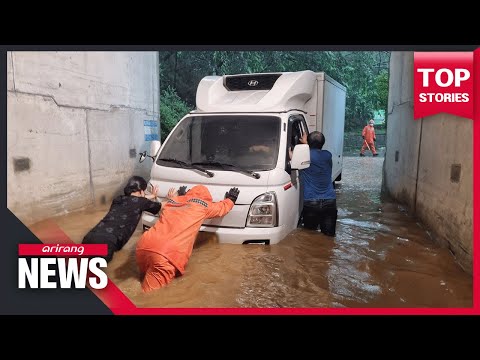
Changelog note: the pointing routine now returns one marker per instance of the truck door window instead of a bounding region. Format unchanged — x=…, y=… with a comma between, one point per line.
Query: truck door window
x=297, y=127
x=296, y=134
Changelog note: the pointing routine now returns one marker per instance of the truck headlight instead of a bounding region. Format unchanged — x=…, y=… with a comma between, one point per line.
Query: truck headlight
x=263, y=211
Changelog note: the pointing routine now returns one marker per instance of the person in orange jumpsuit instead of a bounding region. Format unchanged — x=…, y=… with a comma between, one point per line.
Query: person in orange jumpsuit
x=163, y=251
x=368, y=135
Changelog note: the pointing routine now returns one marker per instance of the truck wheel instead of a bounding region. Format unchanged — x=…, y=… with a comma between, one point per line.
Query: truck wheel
x=339, y=177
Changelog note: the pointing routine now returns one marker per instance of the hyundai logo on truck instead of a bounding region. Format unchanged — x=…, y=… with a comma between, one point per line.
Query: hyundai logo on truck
x=253, y=83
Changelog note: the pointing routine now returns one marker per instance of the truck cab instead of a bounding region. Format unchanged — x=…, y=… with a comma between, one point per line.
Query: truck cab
x=240, y=136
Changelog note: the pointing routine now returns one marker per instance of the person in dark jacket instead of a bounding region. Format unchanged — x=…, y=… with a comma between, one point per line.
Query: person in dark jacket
x=119, y=224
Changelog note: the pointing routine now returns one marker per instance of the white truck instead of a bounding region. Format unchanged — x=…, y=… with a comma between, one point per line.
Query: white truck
x=239, y=136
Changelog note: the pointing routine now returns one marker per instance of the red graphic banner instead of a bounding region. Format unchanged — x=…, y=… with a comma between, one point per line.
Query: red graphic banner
x=443, y=83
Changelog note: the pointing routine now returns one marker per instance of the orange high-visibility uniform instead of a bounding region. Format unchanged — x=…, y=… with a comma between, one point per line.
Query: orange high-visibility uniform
x=164, y=250
x=368, y=134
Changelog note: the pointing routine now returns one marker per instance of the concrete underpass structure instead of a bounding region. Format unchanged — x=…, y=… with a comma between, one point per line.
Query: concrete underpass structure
x=76, y=123
x=429, y=164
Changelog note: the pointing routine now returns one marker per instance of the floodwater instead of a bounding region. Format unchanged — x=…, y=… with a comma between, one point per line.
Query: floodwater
x=380, y=257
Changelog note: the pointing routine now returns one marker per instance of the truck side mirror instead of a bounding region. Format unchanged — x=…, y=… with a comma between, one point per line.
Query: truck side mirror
x=301, y=157
x=154, y=147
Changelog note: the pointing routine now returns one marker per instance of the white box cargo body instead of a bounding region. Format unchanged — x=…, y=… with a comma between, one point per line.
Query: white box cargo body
x=239, y=136
x=326, y=113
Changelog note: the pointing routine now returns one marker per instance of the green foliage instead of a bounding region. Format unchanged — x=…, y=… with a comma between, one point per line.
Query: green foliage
x=382, y=92
x=172, y=109
x=381, y=83
x=364, y=73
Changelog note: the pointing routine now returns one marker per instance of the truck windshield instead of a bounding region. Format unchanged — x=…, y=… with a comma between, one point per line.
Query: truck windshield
x=247, y=142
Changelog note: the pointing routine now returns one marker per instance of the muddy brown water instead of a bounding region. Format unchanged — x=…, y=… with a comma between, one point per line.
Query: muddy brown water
x=380, y=257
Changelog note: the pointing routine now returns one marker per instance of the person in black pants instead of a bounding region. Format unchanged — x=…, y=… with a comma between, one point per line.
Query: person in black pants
x=319, y=197
x=119, y=224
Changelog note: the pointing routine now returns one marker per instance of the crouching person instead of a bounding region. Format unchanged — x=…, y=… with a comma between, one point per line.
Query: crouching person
x=164, y=250
x=119, y=224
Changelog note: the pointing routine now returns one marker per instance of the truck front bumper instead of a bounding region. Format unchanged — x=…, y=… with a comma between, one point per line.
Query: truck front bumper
x=247, y=235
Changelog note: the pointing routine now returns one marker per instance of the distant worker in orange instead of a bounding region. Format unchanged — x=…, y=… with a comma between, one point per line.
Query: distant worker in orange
x=368, y=135
x=163, y=251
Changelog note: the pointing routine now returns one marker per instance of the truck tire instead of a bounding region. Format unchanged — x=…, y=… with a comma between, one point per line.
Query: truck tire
x=339, y=177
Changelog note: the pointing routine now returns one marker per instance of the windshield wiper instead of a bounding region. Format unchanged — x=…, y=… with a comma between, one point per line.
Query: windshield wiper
x=233, y=167
x=188, y=166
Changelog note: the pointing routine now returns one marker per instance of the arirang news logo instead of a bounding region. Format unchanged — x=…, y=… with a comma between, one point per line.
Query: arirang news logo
x=72, y=266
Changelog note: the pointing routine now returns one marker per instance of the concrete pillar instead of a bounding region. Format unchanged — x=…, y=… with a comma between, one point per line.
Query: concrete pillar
x=429, y=164
x=75, y=127
x=403, y=134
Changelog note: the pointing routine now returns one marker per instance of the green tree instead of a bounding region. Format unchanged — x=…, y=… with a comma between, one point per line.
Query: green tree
x=364, y=73
x=381, y=83
x=172, y=109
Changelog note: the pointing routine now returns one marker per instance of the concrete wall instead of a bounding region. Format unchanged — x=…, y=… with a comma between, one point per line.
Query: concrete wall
x=75, y=125
x=429, y=164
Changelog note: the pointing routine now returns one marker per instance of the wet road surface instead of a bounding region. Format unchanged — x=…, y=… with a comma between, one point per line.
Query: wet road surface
x=380, y=257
